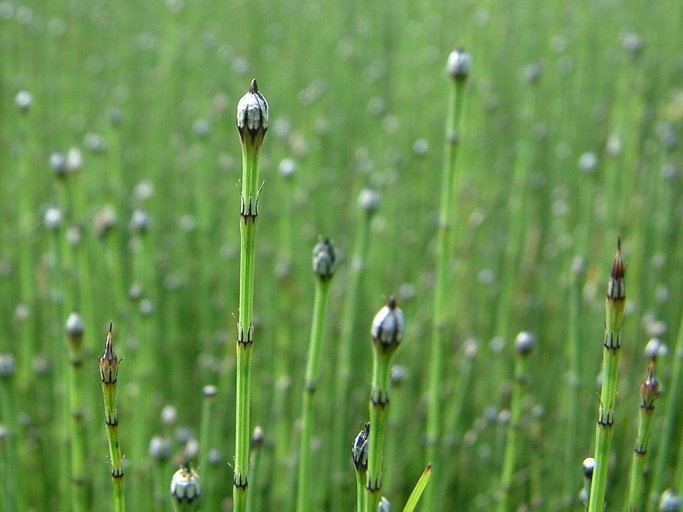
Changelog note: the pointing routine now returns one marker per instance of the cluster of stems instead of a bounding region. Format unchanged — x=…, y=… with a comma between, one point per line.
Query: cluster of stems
x=614, y=311
x=109, y=370
x=252, y=123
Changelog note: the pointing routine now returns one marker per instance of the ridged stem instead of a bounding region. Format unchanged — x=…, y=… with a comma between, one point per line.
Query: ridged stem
x=358, y=262
x=614, y=313
x=255, y=496
x=304, y=498
x=639, y=460
x=671, y=409
x=78, y=445
x=245, y=327
x=109, y=376
x=379, y=411
x=443, y=253
x=361, y=482
x=572, y=390
x=512, y=441
x=206, y=443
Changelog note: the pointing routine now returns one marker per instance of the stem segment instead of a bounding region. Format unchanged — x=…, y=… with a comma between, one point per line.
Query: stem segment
x=252, y=122
x=78, y=436
x=109, y=368
x=616, y=297
x=649, y=390
x=304, y=498
x=446, y=218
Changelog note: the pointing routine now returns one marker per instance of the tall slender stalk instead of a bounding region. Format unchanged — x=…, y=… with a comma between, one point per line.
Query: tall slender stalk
x=207, y=440
x=524, y=344
x=573, y=376
x=25, y=224
x=282, y=384
x=324, y=265
x=256, y=495
x=615, y=300
x=388, y=329
x=252, y=123
x=458, y=68
x=109, y=370
x=369, y=202
x=671, y=409
x=649, y=390
x=12, y=484
x=78, y=444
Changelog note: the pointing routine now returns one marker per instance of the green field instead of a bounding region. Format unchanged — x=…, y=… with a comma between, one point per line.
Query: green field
x=485, y=199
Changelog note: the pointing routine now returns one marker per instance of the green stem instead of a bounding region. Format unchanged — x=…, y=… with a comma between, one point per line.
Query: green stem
x=379, y=409
x=671, y=408
x=304, y=498
x=361, y=480
x=206, y=442
x=345, y=346
x=245, y=326
x=255, y=496
x=512, y=442
x=12, y=475
x=79, y=472
x=638, y=462
x=109, y=373
x=446, y=218
x=610, y=365
x=574, y=378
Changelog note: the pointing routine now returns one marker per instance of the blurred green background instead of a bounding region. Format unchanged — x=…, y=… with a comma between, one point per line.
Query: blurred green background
x=571, y=135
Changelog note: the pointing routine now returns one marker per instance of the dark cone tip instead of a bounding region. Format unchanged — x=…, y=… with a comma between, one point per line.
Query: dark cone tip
x=253, y=86
x=391, y=303
x=618, y=266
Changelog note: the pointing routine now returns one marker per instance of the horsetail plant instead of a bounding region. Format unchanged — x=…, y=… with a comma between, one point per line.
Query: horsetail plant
x=369, y=203
x=671, y=409
x=649, y=390
x=254, y=498
x=109, y=370
x=78, y=445
x=459, y=63
x=359, y=454
x=387, y=331
x=207, y=439
x=524, y=344
x=185, y=490
x=159, y=451
x=252, y=123
x=324, y=266
x=614, y=312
